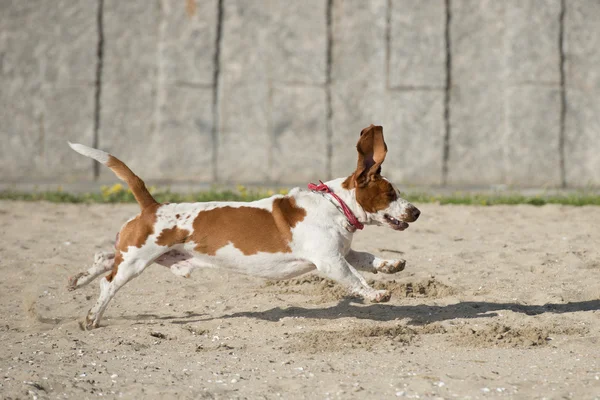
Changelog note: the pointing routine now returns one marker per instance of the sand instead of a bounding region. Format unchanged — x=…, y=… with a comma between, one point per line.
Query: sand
x=495, y=302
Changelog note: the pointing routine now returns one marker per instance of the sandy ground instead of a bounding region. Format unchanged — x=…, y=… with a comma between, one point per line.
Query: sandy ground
x=497, y=302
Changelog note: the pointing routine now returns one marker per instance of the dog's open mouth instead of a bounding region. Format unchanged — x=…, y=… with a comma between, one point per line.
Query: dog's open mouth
x=394, y=223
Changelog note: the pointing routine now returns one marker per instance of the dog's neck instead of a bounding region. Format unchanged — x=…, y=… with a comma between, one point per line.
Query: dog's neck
x=349, y=197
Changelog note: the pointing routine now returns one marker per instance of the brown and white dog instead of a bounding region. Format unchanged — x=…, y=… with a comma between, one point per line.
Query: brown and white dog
x=279, y=237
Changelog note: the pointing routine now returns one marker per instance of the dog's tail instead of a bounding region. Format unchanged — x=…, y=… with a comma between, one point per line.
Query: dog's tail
x=137, y=186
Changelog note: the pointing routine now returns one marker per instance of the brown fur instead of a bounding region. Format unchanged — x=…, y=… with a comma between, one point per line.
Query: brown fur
x=137, y=186
x=373, y=193
x=171, y=236
x=372, y=150
x=117, y=262
x=349, y=183
x=134, y=233
x=250, y=230
x=377, y=195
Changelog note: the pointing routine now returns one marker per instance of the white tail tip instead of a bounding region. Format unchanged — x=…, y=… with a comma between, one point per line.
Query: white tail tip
x=98, y=155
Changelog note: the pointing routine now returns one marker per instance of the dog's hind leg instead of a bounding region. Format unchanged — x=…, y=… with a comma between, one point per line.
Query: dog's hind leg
x=103, y=262
x=180, y=263
x=126, y=267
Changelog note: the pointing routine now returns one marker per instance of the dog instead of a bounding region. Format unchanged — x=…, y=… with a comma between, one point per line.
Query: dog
x=279, y=237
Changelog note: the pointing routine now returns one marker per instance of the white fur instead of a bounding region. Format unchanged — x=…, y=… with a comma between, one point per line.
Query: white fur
x=98, y=155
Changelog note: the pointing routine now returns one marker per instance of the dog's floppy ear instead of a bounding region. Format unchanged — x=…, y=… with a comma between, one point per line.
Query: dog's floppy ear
x=371, y=154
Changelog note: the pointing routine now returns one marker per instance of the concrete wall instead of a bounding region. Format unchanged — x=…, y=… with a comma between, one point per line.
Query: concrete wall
x=469, y=92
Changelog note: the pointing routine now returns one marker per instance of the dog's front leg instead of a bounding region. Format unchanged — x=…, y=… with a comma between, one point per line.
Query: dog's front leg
x=368, y=262
x=338, y=269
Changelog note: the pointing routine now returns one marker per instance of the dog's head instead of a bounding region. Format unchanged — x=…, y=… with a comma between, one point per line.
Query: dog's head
x=377, y=196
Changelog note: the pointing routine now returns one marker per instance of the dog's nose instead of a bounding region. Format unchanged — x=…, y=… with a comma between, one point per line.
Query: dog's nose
x=416, y=213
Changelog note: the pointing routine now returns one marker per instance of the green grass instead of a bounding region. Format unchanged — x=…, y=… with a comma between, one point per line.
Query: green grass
x=571, y=199
x=119, y=194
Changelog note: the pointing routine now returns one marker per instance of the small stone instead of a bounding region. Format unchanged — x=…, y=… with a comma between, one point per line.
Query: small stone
x=158, y=335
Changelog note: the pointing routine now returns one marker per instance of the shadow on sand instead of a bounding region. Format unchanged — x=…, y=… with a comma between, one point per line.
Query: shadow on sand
x=418, y=314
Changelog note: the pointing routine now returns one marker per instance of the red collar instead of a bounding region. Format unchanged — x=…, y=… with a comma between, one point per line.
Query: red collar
x=345, y=209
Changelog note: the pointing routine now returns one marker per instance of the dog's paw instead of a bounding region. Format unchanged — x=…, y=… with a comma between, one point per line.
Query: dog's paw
x=86, y=326
x=90, y=323
x=391, y=266
x=72, y=282
x=184, y=271
x=380, y=296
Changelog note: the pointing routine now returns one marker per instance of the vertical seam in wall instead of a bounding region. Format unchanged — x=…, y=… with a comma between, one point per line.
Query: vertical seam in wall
x=266, y=33
x=98, y=84
x=448, y=88
x=160, y=97
x=328, y=100
x=388, y=40
x=563, y=95
x=270, y=174
x=506, y=101
x=215, y=105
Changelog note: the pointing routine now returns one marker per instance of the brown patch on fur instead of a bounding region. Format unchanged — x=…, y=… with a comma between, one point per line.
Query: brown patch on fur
x=377, y=195
x=134, y=233
x=286, y=215
x=250, y=230
x=373, y=193
x=117, y=262
x=177, y=216
x=349, y=183
x=174, y=235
